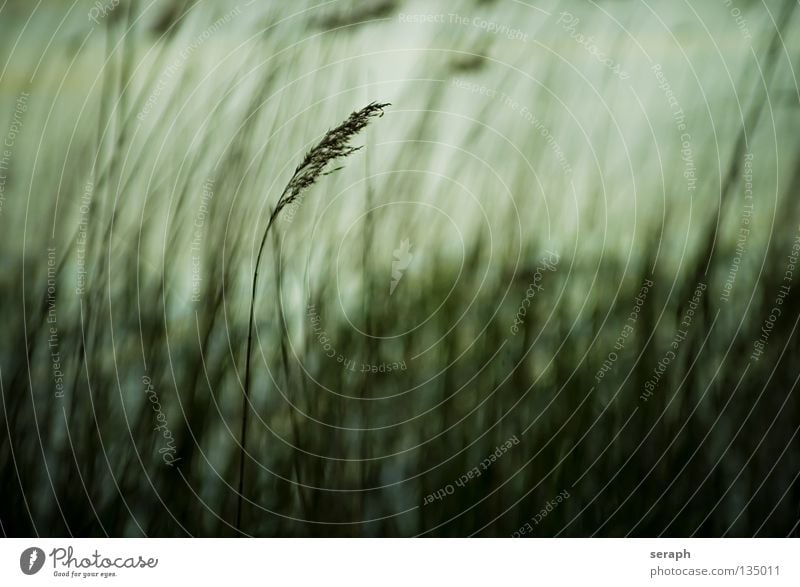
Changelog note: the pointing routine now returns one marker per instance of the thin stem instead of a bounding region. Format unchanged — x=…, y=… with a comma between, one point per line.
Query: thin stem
x=334, y=145
x=246, y=396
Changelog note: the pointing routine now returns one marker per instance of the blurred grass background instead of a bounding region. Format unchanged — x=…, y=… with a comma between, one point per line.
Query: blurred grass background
x=179, y=122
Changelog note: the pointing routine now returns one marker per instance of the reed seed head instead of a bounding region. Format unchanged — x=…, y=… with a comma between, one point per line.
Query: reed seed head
x=333, y=146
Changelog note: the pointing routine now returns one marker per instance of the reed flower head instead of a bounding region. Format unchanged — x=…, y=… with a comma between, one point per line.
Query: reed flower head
x=334, y=145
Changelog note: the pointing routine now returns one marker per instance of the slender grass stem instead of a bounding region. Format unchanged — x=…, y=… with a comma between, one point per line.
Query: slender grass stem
x=334, y=145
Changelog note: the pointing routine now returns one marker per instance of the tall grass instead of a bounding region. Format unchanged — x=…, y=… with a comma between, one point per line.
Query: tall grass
x=334, y=145
x=169, y=213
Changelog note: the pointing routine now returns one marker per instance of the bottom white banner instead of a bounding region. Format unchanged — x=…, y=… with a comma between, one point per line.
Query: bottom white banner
x=401, y=562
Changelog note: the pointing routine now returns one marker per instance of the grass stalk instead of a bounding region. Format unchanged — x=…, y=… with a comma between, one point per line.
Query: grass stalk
x=333, y=146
